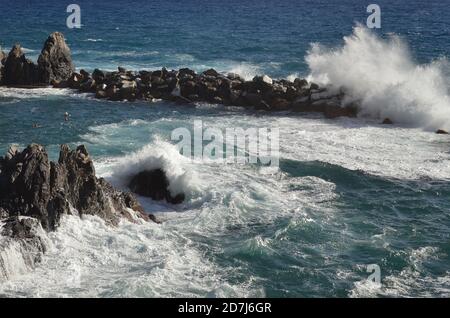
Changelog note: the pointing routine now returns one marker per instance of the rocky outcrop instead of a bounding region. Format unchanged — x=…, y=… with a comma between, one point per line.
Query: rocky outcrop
x=32, y=186
x=154, y=184
x=35, y=193
x=441, y=132
x=18, y=70
x=54, y=64
x=23, y=243
x=182, y=86
x=55, y=61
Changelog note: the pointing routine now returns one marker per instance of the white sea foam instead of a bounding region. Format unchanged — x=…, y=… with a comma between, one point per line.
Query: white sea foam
x=157, y=155
x=383, y=76
x=17, y=257
x=27, y=93
x=245, y=70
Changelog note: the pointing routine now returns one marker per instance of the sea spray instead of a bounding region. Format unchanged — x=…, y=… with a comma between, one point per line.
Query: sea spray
x=383, y=77
x=157, y=155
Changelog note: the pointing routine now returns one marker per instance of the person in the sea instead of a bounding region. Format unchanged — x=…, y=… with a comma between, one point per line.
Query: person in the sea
x=66, y=116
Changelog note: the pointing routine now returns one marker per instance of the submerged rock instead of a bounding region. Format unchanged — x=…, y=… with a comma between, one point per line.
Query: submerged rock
x=154, y=184
x=55, y=60
x=32, y=186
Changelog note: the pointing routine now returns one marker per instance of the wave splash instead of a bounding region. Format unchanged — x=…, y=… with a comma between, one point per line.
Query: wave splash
x=157, y=155
x=383, y=77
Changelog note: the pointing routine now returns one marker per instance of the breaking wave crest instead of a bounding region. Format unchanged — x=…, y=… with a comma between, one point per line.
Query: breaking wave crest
x=382, y=75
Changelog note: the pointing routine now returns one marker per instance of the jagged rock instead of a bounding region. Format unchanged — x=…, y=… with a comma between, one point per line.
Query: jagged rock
x=74, y=80
x=442, y=132
x=32, y=186
x=18, y=70
x=55, y=61
x=154, y=184
x=211, y=72
x=84, y=75
x=387, y=121
x=263, y=79
x=24, y=239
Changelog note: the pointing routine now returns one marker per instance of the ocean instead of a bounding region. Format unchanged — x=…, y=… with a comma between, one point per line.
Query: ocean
x=349, y=193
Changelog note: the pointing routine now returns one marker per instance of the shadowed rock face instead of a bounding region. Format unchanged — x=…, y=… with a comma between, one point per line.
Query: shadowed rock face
x=32, y=186
x=154, y=184
x=19, y=70
x=55, y=61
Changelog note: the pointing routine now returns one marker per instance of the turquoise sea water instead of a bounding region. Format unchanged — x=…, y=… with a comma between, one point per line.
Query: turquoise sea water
x=348, y=192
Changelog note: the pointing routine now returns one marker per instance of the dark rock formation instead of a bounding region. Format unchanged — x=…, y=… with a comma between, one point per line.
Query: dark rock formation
x=442, y=132
x=185, y=86
x=181, y=86
x=387, y=121
x=24, y=238
x=32, y=186
x=154, y=184
x=55, y=61
x=18, y=70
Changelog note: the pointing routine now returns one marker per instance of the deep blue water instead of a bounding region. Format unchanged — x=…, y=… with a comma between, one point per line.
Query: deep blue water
x=347, y=193
x=271, y=35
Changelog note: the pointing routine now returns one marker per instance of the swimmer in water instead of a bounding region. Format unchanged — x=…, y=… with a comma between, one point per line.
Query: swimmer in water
x=66, y=116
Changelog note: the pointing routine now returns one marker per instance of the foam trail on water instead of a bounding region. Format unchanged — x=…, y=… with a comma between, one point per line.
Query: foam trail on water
x=383, y=76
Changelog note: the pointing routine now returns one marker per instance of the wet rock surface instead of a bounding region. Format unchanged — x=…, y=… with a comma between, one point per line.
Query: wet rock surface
x=32, y=186
x=55, y=61
x=154, y=184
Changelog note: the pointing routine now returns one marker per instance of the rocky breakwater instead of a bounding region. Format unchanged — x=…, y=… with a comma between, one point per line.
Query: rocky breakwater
x=54, y=67
x=186, y=86
x=54, y=64
x=35, y=193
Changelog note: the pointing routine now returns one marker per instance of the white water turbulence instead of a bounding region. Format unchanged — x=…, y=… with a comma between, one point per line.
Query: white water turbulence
x=382, y=75
x=157, y=155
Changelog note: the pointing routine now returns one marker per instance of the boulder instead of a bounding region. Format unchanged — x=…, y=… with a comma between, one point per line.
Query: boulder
x=154, y=184
x=75, y=80
x=18, y=70
x=211, y=72
x=387, y=121
x=441, y=132
x=32, y=186
x=55, y=60
x=313, y=86
x=263, y=79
